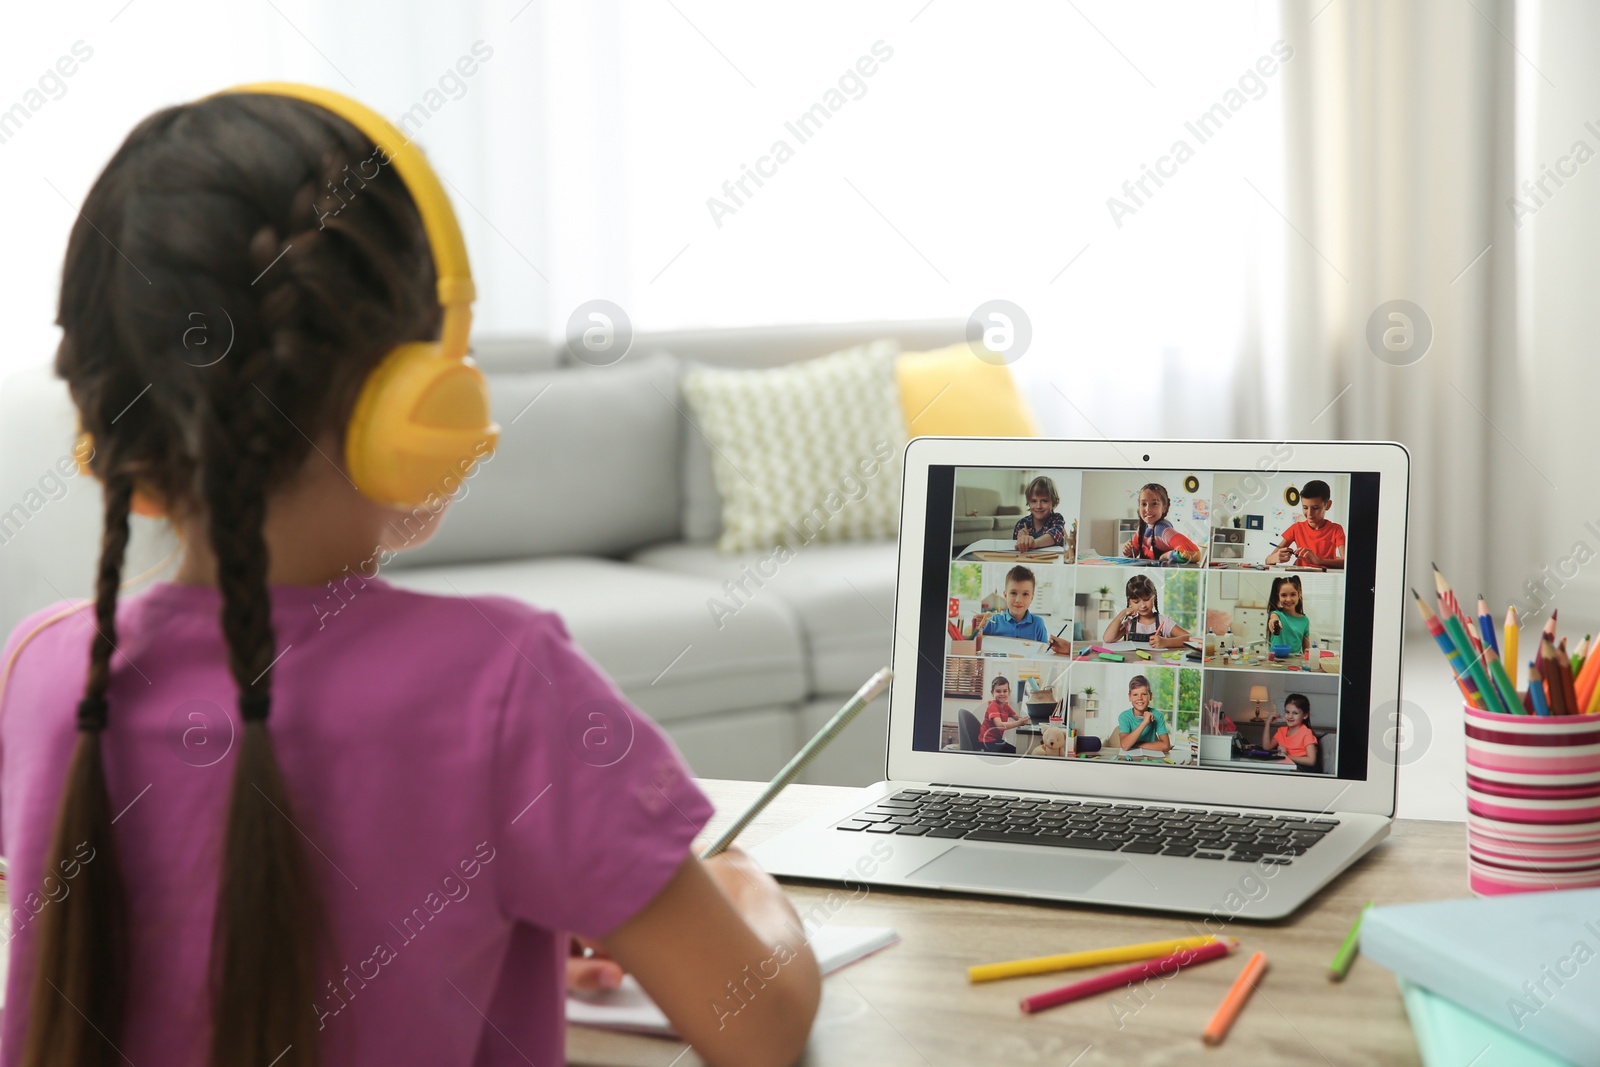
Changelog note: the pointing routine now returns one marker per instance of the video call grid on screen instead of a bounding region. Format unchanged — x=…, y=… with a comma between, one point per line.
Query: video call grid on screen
x=1243, y=620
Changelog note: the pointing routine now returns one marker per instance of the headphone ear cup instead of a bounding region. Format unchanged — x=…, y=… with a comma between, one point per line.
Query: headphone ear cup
x=420, y=424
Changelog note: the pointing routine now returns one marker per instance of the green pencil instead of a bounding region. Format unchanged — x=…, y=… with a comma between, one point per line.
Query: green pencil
x=1347, y=951
x=1502, y=681
x=1491, y=696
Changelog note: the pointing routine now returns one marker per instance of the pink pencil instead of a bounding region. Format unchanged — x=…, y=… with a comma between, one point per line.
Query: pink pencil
x=1128, y=975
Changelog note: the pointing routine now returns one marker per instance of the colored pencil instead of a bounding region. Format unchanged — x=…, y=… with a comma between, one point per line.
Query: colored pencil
x=1497, y=674
x=1238, y=993
x=1509, y=652
x=1450, y=607
x=1068, y=961
x=1128, y=975
x=1536, y=689
x=1340, y=965
x=1480, y=678
x=1451, y=654
x=1569, y=693
x=1593, y=707
x=1555, y=692
x=1486, y=625
x=1588, y=677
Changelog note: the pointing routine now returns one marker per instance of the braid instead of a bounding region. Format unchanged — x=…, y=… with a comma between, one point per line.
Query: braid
x=269, y=921
x=80, y=980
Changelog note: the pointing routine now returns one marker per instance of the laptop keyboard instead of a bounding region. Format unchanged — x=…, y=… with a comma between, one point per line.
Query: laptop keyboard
x=1149, y=829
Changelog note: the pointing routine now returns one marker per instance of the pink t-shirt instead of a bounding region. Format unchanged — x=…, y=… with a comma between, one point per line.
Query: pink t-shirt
x=470, y=786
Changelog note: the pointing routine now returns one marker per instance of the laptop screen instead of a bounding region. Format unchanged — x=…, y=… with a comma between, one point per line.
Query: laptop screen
x=1191, y=621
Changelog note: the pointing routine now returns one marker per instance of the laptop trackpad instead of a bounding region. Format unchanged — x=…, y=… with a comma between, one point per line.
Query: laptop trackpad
x=1045, y=872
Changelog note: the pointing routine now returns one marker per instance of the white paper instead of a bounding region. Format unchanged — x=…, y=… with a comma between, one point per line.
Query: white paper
x=629, y=1007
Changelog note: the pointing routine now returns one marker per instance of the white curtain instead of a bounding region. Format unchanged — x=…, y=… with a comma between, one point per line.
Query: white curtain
x=481, y=130
x=1401, y=156
x=983, y=157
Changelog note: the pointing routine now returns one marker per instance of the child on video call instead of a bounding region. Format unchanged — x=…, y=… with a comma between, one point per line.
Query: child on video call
x=446, y=751
x=1287, y=622
x=1043, y=526
x=1317, y=540
x=1141, y=726
x=998, y=717
x=1295, y=740
x=1142, y=620
x=1157, y=539
x=1016, y=620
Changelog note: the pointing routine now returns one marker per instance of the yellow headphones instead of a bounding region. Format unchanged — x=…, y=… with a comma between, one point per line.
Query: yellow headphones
x=422, y=418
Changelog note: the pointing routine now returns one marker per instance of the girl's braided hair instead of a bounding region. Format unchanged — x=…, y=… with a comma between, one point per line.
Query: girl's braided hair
x=272, y=220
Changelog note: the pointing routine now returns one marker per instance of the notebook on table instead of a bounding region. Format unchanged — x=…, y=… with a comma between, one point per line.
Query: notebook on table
x=1175, y=826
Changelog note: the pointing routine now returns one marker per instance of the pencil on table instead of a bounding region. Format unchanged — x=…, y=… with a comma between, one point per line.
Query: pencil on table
x=1238, y=993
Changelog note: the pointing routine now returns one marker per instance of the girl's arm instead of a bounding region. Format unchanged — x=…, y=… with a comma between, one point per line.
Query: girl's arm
x=1114, y=627
x=1308, y=760
x=718, y=921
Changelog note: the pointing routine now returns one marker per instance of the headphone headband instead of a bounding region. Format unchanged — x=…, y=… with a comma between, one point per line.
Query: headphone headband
x=456, y=291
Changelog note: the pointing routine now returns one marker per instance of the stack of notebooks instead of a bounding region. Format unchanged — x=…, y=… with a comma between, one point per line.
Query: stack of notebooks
x=1506, y=981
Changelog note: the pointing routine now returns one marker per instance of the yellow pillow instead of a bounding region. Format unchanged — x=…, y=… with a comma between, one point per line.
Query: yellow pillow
x=953, y=393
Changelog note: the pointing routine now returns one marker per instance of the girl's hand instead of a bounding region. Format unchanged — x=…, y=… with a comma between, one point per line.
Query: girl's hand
x=1309, y=558
x=1274, y=624
x=1129, y=547
x=589, y=969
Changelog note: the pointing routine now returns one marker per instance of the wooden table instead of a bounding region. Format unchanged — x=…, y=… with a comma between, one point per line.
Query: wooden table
x=911, y=1005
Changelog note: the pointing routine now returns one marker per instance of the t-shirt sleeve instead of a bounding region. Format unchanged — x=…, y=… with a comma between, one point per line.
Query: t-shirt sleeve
x=593, y=809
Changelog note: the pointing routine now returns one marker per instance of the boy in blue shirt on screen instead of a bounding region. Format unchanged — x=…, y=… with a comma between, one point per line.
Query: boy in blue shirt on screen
x=1017, y=620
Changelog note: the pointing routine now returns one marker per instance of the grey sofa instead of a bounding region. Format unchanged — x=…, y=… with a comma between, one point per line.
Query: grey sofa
x=600, y=505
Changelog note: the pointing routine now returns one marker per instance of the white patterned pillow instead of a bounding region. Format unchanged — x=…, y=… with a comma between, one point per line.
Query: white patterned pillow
x=805, y=452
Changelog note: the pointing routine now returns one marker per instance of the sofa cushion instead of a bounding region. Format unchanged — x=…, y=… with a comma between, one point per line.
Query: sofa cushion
x=588, y=462
x=649, y=630
x=842, y=593
x=954, y=393
x=805, y=451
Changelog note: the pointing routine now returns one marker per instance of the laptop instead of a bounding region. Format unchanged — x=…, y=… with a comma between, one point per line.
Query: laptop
x=1135, y=791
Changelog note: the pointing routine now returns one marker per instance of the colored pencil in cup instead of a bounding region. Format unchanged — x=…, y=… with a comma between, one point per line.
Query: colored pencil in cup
x=1067, y=961
x=1509, y=651
x=1486, y=625
x=1555, y=692
x=1536, y=689
x=1480, y=677
x=1340, y=965
x=1128, y=975
x=1450, y=607
x=1569, y=693
x=1501, y=680
x=1238, y=993
x=1452, y=655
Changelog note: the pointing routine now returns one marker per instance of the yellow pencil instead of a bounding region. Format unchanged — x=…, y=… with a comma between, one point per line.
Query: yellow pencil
x=1508, y=651
x=1067, y=961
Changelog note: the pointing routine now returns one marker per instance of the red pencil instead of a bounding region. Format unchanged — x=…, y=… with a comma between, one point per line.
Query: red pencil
x=1129, y=975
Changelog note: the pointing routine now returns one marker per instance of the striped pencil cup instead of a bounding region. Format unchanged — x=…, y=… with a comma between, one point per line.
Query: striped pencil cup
x=1533, y=802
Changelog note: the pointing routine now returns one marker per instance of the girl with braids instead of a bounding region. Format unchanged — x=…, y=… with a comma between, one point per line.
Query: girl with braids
x=1157, y=538
x=1142, y=620
x=402, y=816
